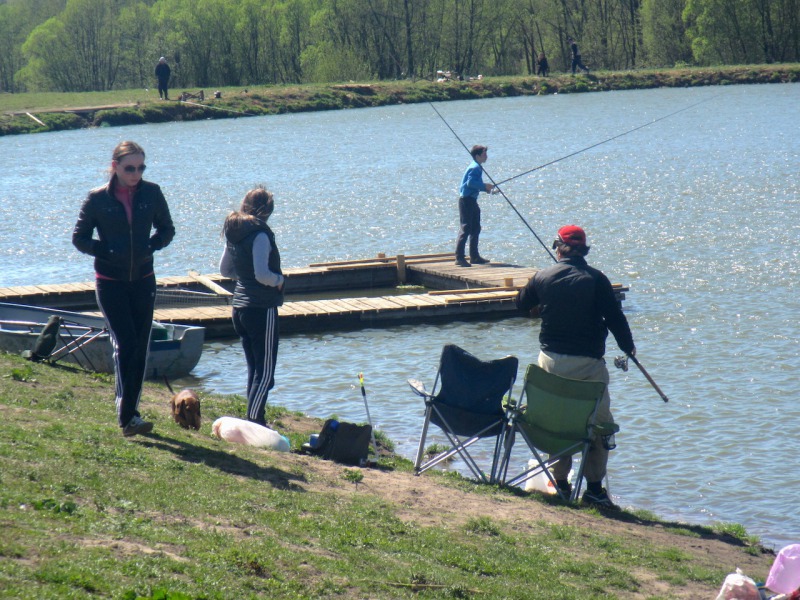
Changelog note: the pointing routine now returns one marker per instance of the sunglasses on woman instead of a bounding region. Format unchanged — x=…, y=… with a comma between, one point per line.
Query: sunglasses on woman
x=132, y=169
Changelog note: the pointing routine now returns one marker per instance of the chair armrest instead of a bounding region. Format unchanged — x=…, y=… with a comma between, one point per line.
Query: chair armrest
x=418, y=388
x=606, y=428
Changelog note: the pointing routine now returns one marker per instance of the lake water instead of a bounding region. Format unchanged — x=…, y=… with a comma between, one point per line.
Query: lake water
x=698, y=213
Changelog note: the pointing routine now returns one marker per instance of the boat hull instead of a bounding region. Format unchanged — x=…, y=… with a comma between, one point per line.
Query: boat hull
x=174, y=349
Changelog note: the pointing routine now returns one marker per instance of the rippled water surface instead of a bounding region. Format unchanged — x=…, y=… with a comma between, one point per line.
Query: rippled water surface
x=698, y=213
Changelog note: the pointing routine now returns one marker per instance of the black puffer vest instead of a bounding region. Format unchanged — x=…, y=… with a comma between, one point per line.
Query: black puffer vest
x=248, y=291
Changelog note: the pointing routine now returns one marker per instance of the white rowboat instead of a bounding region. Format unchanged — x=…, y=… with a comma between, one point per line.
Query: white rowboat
x=84, y=340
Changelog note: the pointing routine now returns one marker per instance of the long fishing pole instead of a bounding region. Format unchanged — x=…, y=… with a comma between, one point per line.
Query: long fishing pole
x=499, y=191
x=552, y=162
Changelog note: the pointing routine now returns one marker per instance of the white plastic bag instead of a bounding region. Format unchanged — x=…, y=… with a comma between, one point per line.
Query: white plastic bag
x=739, y=586
x=240, y=431
x=539, y=482
x=784, y=576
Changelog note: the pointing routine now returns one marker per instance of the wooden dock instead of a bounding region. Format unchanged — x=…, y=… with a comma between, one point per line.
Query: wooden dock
x=331, y=296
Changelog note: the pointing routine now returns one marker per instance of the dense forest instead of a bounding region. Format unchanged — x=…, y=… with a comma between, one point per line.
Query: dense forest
x=95, y=45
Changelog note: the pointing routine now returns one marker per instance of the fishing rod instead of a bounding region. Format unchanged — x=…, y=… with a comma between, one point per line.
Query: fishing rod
x=621, y=362
x=369, y=419
x=240, y=112
x=495, y=186
x=552, y=162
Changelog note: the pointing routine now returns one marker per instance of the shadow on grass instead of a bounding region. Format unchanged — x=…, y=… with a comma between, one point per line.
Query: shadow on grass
x=217, y=459
x=624, y=516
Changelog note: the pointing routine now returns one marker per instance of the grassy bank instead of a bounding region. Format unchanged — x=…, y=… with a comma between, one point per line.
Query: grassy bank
x=58, y=111
x=179, y=514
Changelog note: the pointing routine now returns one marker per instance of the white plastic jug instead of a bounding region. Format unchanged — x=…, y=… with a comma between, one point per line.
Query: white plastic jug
x=539, y=482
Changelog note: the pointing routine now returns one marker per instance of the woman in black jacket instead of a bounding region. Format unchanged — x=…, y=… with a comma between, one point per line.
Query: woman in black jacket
x=124, y=212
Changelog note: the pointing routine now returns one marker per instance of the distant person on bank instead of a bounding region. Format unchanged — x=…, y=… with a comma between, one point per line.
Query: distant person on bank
x=124, y=212
x=576, y=56
x=544, y=66
x=251, y=257
x=469, y=213
x=162, y=75
x=578, y=308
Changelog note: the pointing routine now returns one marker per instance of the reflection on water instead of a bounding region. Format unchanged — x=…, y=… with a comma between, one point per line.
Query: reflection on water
x=697, y=213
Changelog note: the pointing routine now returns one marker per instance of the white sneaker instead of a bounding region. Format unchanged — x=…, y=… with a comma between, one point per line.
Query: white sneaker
x=136, y=426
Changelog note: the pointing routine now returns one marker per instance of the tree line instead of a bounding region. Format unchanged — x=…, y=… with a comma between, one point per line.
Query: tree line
x=95, y=45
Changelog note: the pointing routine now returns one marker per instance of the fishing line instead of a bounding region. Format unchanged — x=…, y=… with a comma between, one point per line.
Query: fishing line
x=499, y=191
x=552, y=162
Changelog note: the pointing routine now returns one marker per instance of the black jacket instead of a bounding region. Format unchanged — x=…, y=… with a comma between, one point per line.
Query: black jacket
x=124, y=251
x=578, y=308
x=163, y=71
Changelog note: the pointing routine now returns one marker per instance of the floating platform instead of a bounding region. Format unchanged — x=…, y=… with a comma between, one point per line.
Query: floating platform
x=328, y=296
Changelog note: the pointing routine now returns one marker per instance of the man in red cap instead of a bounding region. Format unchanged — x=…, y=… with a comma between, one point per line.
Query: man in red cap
x=578, y=308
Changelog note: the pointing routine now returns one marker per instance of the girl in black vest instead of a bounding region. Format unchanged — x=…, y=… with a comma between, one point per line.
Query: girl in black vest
x=252, y=259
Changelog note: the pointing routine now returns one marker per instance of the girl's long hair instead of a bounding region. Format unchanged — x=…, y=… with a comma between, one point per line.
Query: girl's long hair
x=257, y=205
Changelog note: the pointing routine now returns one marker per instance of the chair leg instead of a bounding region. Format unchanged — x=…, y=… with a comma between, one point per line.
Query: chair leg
x=421, y=448
x=576, y=489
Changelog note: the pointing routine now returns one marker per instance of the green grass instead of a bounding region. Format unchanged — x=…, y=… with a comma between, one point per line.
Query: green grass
x=178, y=514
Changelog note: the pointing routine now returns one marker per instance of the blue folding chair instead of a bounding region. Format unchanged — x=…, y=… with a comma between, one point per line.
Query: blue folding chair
x=467, y=404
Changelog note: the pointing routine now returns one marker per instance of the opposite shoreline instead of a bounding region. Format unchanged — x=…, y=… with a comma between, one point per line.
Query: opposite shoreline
x=36, y=113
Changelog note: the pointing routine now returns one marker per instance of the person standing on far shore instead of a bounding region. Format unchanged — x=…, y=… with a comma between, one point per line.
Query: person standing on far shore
x=576, y=56
x=544, y=66
x=124, y=212
x=162, y=74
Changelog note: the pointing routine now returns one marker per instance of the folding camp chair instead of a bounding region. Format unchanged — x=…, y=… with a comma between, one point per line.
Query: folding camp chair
x=467, y=405
x=557, y=419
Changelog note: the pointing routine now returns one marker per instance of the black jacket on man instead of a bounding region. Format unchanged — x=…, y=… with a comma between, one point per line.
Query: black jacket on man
x=124, y=251
x=163, y=71
x=578, y=308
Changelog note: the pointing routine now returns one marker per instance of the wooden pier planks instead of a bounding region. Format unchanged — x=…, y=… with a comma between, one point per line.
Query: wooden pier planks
x=481, y=291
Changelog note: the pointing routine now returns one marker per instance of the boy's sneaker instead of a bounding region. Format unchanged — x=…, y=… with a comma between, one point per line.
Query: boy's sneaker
x=600, y=500
x=137, y=426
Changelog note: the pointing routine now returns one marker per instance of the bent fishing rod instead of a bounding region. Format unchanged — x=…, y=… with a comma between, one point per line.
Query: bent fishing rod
x=621, y=363
x=495, y=186
x=552, y=162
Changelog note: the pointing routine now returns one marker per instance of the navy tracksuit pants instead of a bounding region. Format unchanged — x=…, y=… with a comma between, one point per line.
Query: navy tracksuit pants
x=128, y=309
x=258, y=330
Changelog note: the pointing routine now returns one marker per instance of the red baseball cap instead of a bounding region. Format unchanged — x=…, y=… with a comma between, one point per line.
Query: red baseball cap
x=572, y=235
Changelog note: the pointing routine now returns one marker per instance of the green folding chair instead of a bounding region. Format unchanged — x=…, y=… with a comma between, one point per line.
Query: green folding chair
x=556, y=418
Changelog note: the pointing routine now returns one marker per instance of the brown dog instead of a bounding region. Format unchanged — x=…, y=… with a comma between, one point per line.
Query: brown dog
x=186, y=409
